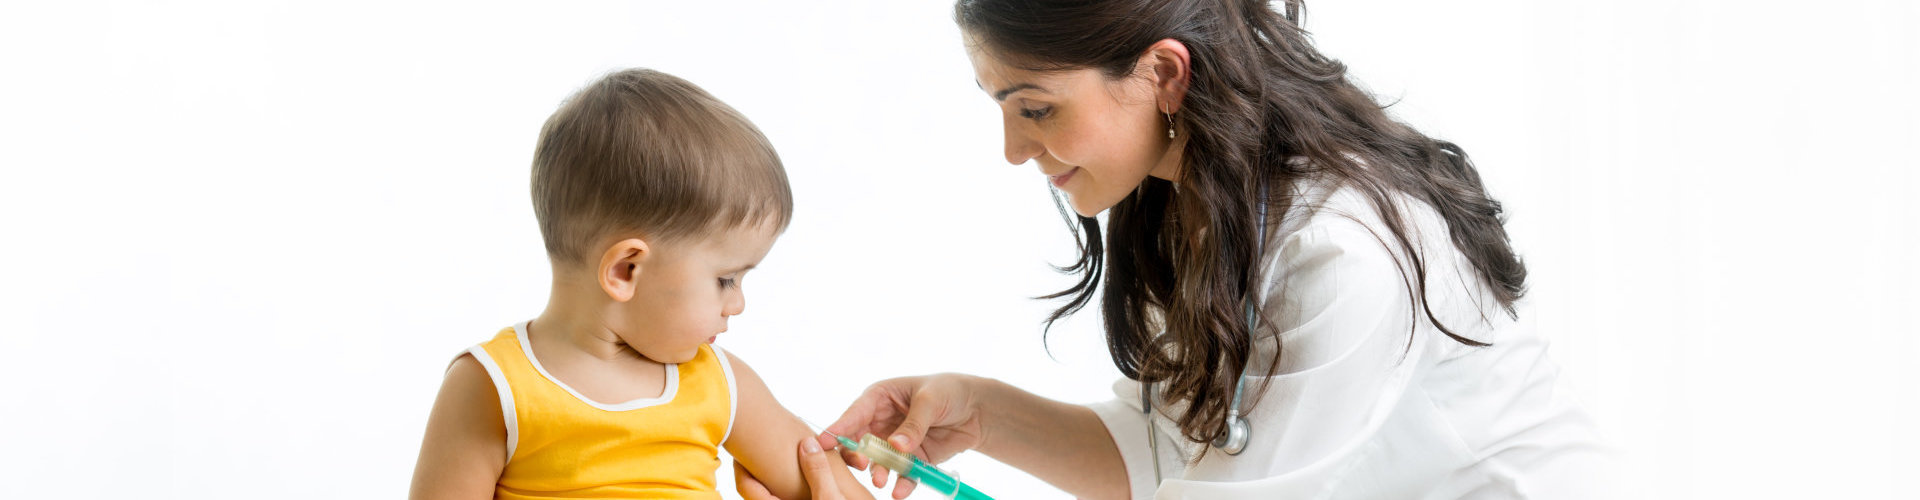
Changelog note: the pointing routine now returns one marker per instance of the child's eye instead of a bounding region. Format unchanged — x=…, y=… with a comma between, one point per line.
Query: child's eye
x=728, y=283
x=1036, y=114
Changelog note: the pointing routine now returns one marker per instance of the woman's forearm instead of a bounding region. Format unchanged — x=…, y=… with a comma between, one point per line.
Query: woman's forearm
x=1063, y=444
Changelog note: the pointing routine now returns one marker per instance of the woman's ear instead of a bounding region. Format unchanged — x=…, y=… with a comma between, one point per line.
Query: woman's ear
x=1171, y=69
x=620, y=266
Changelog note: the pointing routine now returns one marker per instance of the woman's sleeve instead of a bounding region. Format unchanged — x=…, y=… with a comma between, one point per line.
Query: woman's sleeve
x=1348, y=355
x=1127, y=425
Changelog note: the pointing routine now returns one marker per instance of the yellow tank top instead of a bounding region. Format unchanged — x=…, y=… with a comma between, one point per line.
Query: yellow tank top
x=562, y=445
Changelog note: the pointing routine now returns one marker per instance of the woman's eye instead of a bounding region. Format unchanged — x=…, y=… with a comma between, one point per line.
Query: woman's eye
x=1035, y=114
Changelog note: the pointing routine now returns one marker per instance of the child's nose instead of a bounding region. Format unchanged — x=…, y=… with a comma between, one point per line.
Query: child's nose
x=736, y=304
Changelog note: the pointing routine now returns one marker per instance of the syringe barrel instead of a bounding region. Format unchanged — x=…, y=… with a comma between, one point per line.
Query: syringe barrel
x=940, y=481
x=912, y=467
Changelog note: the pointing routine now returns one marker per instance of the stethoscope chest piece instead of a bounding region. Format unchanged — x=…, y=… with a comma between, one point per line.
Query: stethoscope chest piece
x=1235, y=440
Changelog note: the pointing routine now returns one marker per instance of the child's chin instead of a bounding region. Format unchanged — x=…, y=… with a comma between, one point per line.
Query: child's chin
x=673, y=356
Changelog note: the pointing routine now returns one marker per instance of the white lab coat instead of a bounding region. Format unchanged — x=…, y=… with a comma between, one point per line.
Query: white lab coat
x=1371, y=401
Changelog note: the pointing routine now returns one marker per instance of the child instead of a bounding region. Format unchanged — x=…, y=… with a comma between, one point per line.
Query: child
x=654, y=199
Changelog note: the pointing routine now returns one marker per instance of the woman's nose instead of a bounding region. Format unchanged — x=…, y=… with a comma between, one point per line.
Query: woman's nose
x=1020, y=146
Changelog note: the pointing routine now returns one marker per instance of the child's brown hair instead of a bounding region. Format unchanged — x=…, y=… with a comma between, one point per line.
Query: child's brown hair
x=648, y=153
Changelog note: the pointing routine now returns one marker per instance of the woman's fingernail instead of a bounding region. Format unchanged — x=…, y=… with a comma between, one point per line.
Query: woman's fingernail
x=810, y=446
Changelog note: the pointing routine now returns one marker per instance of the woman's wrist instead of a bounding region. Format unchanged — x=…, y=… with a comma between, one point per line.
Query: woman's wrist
x=989, y=396
x=1061, y=443
x=1010, y=417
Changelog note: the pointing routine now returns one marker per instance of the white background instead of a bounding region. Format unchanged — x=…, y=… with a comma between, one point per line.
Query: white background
x=242, y=241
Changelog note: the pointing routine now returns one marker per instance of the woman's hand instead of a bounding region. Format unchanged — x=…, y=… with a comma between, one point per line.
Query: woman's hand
x=934, y=417
x=814, y=465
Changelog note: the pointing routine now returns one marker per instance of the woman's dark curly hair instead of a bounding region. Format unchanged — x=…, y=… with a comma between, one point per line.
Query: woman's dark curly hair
x=1185, y=263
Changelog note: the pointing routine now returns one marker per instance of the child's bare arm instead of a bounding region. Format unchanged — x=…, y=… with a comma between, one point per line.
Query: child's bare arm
x=466, y=444
x=763, y=439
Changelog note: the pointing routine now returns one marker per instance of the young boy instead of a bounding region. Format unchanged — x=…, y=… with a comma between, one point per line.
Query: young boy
x=654, y=199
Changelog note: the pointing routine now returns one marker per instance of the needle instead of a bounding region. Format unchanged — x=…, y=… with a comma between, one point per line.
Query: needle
x=840, y=443
x=812, y=426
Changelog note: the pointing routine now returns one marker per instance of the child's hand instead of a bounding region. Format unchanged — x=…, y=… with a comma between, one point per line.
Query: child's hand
x=813, y=465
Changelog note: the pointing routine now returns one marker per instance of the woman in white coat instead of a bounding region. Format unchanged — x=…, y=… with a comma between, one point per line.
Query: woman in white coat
x=1308, y=298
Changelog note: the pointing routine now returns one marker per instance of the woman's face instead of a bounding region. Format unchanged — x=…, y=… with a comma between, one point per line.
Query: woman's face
x=1094, y=138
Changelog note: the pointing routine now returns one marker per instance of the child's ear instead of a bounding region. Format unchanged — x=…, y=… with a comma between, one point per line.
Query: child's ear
x=620, y=266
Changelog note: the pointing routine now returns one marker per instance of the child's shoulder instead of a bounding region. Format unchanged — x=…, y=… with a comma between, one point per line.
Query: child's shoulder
x=468, y=388
x=734, y=366
x=466, y=443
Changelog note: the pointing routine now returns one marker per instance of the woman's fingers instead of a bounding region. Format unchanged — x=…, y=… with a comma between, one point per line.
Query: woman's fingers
x=859, y=415
x=814, y=466
x=905, y=410
x=878, y=408
x=852, y=459
x=903, y=487
x=749, y=486
x=855, y=459
x=828, y=442
x=923, y=413
x=818, y=470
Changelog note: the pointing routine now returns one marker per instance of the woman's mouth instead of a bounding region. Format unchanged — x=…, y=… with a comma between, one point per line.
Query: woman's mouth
x=1061, y=180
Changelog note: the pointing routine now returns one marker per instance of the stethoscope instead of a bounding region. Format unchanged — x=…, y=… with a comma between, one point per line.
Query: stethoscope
x=1235, y=440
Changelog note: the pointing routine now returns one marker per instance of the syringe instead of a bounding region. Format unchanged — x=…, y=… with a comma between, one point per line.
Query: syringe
x=910, y=466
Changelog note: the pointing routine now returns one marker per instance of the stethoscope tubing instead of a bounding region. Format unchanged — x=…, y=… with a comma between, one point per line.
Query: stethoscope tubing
x=1238, y=429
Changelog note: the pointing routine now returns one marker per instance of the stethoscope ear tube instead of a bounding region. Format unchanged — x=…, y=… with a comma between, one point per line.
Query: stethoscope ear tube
x=1153, y=440
x=1235, y=440
x=1238, y=430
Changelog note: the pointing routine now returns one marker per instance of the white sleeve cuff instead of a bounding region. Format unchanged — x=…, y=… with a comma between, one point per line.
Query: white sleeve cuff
x=1128, y=428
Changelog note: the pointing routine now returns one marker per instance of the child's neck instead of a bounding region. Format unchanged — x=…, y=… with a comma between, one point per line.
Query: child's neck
x=575, y=320
x=573, y=343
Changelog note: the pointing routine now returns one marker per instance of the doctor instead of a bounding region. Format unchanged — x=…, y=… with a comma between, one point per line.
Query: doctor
x=1308, y=298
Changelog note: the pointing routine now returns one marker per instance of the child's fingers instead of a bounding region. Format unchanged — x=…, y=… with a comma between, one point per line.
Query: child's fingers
x=879, y=476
